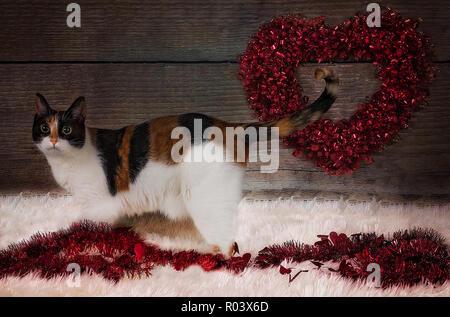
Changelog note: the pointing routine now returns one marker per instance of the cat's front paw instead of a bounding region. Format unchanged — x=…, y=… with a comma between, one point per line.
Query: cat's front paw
x=100, y=211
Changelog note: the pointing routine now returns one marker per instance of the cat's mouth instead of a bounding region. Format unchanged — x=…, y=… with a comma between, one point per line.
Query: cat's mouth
x=53, y=148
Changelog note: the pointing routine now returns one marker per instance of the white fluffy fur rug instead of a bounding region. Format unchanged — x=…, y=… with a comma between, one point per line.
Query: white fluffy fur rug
x=261, y=224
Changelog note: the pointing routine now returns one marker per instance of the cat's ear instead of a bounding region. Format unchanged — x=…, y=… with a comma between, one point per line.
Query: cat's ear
x=78, y=109
x=41, y=105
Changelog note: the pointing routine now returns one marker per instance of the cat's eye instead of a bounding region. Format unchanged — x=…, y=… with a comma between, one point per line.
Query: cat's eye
x=45, y=128
x=66, y=130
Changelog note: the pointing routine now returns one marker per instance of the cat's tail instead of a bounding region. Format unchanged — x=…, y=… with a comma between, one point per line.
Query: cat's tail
x=311, y=113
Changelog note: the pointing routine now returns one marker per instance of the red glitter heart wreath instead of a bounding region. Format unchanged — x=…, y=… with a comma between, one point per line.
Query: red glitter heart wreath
x=409, y=258
x=401, y=54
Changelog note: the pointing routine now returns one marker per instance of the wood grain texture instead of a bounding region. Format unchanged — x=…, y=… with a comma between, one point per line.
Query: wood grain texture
x=175, y=30
x=121, y=94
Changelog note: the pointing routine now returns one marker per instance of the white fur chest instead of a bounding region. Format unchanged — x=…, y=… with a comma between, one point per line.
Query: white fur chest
x=81, y=175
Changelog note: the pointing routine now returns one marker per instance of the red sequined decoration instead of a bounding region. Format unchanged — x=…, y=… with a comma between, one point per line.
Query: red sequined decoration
x=97, y=248
x=410, y=258
x=400, y=53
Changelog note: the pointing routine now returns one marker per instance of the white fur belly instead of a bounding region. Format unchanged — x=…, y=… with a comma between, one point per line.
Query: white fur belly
x=157, y=188
x=169, y=189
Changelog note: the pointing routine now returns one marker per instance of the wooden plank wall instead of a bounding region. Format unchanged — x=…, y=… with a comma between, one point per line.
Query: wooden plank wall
x=135, y=60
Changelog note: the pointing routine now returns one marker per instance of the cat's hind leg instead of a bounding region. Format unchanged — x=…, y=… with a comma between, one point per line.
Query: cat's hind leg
x=214, y=195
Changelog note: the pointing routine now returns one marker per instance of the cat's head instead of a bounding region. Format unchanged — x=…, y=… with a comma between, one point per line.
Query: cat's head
x=59, y=132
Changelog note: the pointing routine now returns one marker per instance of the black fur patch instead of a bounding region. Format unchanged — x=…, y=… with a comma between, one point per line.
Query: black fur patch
x=139, y=149
x=77, y=137
x=187, y=121
x=323, y=103
x=108, y=143
x=38, y=135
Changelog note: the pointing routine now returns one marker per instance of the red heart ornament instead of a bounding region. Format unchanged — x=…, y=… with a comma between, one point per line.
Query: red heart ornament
x=401, y=54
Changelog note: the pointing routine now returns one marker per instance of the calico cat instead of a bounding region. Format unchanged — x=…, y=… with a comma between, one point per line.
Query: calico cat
x=131, y=170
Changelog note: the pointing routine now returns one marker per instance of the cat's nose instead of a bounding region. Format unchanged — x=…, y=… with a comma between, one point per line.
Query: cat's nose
x=54, y=141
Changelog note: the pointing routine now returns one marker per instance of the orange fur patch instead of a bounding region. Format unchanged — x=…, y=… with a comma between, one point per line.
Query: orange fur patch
x=285, y=126
x=160, y=141
x=53, y=128
x=123, y=172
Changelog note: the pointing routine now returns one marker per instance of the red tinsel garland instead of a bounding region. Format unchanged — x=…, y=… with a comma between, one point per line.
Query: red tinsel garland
x=401, y=54
x=407, y=259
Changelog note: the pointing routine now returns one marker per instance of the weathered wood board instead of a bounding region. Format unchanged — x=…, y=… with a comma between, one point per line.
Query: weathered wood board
x=175, y=30
x=175, y=56
x=120, y=94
